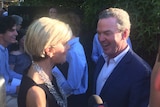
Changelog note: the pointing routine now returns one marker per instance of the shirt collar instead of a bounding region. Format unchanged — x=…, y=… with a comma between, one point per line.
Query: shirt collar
x=118, y=57
x=2, y=48
x=72, y=41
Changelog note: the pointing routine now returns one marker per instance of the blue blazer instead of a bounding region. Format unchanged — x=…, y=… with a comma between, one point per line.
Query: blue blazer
x=129, y=83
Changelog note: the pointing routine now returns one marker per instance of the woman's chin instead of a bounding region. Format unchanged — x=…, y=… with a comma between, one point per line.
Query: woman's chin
x=62, y=62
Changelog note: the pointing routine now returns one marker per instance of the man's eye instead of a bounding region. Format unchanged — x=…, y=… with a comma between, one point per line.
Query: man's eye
x=107, y=34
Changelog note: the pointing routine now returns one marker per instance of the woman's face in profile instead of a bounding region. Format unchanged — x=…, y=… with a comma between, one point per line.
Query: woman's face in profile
x=60, y=52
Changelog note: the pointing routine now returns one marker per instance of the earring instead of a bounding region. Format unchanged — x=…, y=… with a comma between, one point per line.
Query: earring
x=51, y=55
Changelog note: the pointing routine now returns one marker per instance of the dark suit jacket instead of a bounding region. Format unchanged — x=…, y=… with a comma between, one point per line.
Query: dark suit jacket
x=129, y=83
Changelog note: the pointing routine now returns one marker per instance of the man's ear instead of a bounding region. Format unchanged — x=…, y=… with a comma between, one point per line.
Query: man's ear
x=125, y=33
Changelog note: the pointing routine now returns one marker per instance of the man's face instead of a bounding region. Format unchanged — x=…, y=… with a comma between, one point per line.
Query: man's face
x=53, y=13
x=9, y=37
x=109, y=36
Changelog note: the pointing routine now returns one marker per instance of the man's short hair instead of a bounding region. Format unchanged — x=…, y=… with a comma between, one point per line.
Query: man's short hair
x=6, y=23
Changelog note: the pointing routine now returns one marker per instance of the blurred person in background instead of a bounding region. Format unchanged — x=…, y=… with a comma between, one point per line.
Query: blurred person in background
x=19, y=60
x=53, y=12
x=8, y=35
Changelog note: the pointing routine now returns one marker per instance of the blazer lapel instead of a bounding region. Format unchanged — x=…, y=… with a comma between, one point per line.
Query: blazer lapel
x=117, y=71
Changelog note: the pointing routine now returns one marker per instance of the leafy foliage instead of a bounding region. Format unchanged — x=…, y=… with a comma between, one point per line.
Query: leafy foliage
x=63, y=3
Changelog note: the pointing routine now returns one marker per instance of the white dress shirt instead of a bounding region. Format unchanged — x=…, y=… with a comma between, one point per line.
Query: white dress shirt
x=107, y=70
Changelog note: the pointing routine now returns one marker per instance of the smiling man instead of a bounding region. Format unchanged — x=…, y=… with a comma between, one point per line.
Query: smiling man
x=121, y=77
x=8, y=35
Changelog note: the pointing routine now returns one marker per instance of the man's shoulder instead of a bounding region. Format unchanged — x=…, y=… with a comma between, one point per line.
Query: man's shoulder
x=137, y=62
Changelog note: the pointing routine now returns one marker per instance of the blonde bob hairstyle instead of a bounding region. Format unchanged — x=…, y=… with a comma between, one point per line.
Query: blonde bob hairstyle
x=45, y=32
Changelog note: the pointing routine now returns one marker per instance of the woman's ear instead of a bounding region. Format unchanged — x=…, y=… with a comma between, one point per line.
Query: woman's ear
x=49, y=51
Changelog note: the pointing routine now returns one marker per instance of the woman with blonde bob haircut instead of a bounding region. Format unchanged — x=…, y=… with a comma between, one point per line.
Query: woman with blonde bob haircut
x=46, y=43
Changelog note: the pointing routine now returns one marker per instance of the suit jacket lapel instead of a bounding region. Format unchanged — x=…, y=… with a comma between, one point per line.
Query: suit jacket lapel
x=117, y=71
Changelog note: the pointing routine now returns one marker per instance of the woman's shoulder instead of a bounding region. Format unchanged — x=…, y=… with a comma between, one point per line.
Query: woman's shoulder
x=36, y=95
